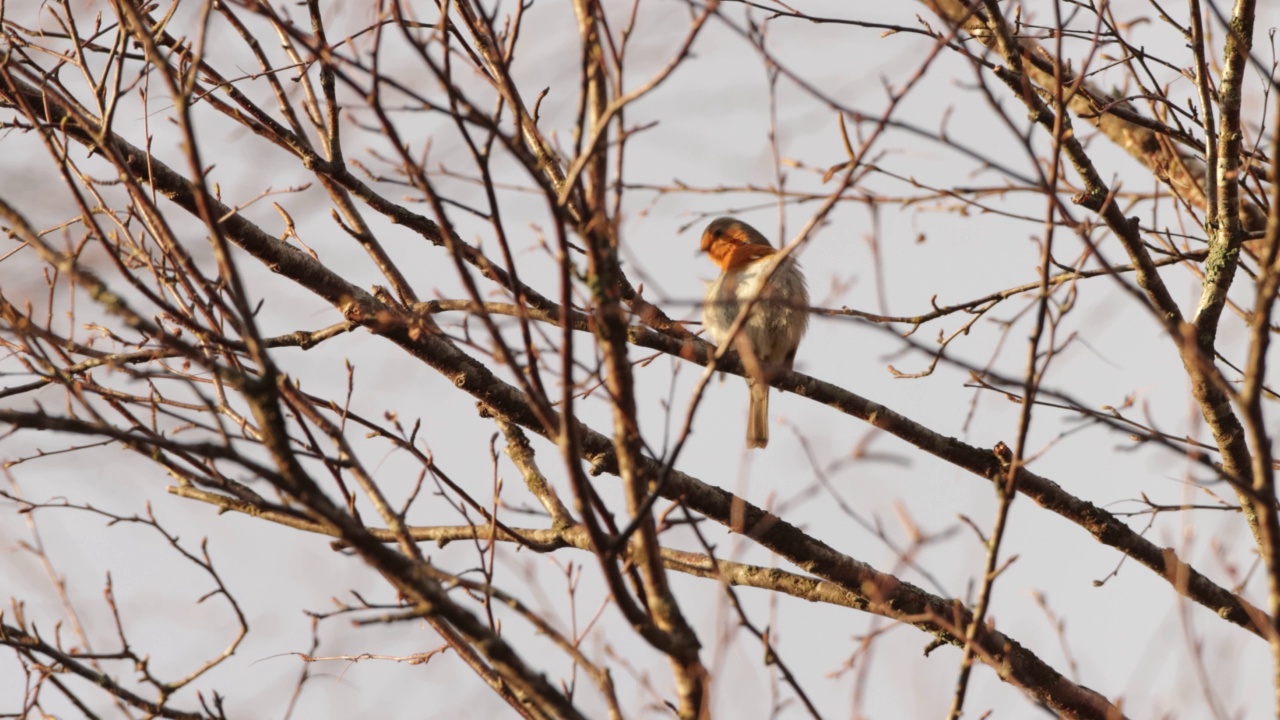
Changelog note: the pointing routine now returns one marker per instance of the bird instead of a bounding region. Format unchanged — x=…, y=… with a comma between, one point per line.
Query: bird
x=776, y=320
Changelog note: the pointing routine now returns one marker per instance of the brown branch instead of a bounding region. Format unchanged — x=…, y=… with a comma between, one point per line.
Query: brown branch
x=1104, y=526
x=1137, y=135
x=858, y=586
x=1212, y=393
x=1226, y=232
x=13, y=637
x=1250, y=400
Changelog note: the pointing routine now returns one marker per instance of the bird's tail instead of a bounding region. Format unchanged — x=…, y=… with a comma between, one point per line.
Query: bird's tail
x=758, y=416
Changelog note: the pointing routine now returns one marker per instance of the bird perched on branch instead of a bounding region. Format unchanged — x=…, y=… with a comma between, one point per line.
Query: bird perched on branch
x=771, y=288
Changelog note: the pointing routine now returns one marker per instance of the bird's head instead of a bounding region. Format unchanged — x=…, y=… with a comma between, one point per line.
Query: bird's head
x=730, y=243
